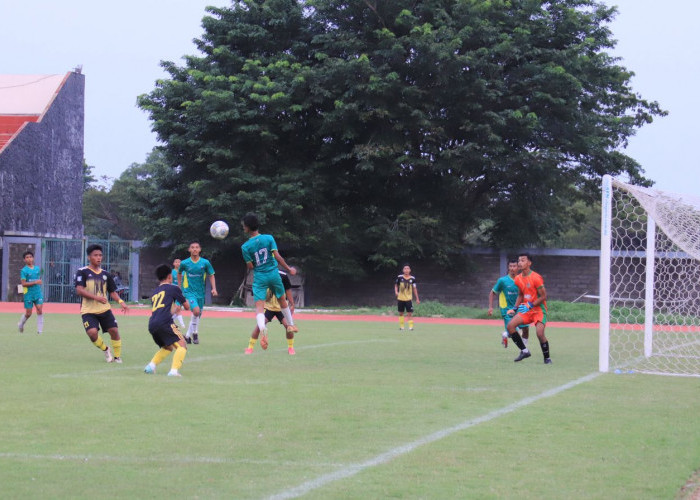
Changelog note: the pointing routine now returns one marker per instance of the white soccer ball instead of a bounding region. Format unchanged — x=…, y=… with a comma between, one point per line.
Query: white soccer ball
x=219, y=230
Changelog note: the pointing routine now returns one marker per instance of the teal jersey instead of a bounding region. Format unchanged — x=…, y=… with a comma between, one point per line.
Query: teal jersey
x=507, y=292
x=31, y=274
x=258, y=250
x=194, y=275
x=175, y=277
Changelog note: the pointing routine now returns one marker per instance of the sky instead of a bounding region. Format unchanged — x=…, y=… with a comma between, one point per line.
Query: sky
x=120, y=45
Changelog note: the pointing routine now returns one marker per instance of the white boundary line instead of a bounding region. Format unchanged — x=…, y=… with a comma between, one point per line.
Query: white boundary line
x=388, y=456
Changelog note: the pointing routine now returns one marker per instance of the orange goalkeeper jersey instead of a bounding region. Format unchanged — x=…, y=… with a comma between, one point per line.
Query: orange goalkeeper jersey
x=530, y=286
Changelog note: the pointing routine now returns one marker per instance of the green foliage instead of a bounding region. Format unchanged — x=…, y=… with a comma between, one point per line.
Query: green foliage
x=365, y=133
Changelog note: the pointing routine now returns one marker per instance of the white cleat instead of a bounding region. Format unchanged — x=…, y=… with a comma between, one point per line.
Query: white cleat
x=108, y=355
x=174, y=373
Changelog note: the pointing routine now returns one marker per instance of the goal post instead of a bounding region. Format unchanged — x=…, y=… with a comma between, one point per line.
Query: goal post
x=649, y=281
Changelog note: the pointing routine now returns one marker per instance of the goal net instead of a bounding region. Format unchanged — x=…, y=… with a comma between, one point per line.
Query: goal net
x=649, y=281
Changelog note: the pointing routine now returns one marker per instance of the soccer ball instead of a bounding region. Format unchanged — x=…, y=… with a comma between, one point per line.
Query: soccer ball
x=219, y=230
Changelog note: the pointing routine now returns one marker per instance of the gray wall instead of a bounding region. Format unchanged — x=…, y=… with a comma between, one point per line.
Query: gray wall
x=568, y=274
x=41, y=170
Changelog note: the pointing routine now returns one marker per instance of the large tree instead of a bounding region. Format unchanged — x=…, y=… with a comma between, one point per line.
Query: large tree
x=366, y=132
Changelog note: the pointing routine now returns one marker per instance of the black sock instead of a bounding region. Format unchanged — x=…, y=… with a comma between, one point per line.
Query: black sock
x=545, y=349
x=515, y=336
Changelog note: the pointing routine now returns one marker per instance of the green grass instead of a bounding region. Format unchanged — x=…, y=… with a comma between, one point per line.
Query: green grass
x=256, y=426
x=558, y=311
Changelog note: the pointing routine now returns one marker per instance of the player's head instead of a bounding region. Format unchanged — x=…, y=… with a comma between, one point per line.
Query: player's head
x=195, y=248
x=94, y=253
x=524, y=260
x=512, y=266
x=28, y=257
x=250, y=223
x=176, y=264
x=406, y=268
x=164, y=272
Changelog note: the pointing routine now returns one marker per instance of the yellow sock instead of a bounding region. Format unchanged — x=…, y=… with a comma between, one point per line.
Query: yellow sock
x=117, y=348
x=99, y=343
x=160, y=356
x=178, y=358
x=401, y=321
x=252, y=342
x=410, y=324
x=290, y=342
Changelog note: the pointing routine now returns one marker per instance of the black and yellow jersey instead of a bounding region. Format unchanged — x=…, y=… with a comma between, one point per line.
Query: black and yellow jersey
x=98, y=283
x=405, y=286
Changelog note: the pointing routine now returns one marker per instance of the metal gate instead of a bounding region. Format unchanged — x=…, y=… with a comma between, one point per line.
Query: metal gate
x=62, y=259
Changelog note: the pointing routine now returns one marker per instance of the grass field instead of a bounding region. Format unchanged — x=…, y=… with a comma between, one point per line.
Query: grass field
x=362, y=411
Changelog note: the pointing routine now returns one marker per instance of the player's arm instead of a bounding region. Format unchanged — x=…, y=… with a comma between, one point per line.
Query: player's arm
x=415, y=291
x=541, y=296
x=518, y=301
x=492, y=294
x=283, y=263
x=212, y=280
x=185, y=304
x=115, y=297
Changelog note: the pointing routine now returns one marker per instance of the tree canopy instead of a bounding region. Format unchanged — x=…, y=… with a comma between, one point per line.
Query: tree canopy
x=367, y=132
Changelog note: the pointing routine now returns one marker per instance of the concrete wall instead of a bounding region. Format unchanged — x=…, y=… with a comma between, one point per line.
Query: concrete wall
x=41, y=170
x=568, y=274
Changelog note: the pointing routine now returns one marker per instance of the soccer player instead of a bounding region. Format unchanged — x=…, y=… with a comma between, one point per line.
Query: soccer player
x=94, y=286
x=274, y=310
x=262, y=257
x=507, y=292
x=177, y=317
x=191, y=276
x=531, y=306
x=31, y=281
x=404, y=289
x=161, y=326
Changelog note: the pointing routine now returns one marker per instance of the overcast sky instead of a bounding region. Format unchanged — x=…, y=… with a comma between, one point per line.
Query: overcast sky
x=120, y=45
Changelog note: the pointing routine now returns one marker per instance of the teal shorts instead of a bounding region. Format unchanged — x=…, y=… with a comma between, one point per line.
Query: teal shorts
x=506, y=319
x=33, y=298
x=194, y=300
x=263, y=281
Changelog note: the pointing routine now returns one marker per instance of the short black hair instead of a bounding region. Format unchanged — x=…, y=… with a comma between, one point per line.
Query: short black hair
x=93, y=247
x=513, y=260
x=525, y=254
x=194, y=241
x=28, y=252
x=163, y=271
x=251, y=221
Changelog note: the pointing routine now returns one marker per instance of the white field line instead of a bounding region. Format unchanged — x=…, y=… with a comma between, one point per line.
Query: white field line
x=198, y=359
x=388, y=456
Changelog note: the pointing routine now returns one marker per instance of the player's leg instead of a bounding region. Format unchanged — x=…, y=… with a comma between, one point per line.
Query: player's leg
x=513, y=324
x=178, y=358
x=194, y=317
x=525, y=333
x=401, y=306
x=504, y=335
x=23, y=319
x=159, y=356
x=91, y=325
x=544, y=343
x=409, y=314
x=275, y=284
x=39, y=316
x=289, y=335
x=253, y=339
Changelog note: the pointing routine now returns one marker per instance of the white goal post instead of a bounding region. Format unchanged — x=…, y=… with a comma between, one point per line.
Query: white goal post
x=649, y=281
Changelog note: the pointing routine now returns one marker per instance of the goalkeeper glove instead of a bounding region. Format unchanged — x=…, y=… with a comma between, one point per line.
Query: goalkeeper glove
x=524, y=307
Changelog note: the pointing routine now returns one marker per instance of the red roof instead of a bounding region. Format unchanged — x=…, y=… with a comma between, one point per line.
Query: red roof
x=24, y=99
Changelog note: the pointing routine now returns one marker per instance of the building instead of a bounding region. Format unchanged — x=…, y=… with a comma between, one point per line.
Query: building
x=41, y=166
